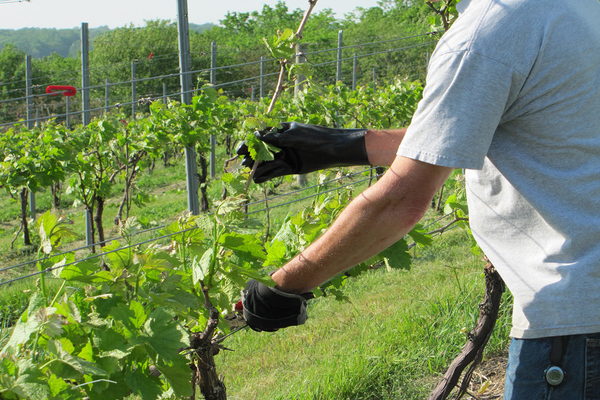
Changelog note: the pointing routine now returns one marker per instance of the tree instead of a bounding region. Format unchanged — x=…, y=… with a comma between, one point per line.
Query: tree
x=240, y=40
x=391, y=20
x=12, y=72
x=154, y=50
x=42, y=42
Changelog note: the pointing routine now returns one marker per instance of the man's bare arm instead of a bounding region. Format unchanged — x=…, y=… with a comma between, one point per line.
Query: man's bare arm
x=375, y=220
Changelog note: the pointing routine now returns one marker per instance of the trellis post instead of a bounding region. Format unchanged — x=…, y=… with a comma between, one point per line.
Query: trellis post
x=185, y=62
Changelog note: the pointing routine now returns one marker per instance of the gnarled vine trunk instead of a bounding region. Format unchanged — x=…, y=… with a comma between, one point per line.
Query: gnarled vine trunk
x=202, y=178
x=205, y=374
x=55, y=188
x=98, y=218
x=203, y=365
x=472, y=352
x=26, y=237
x=128, y=184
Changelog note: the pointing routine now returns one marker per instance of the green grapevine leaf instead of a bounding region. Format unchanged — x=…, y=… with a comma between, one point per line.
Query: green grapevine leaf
x=276, y=253
x=419, y=236
x=395, y=257
x=71, y=366
x=201, y=268
x=111, y=343
x=26, y=326
x=23, y=379
x=86, y=271
x=143, y=384
x=281, y=46
x=69, y=310
x=286, y=234
x=118, y=259
x=132, y=316
x=57, y=385
x=259, y=150
x=254, y=124
x=246, y=245
x=179, y=377
x=165, y=336
x=235, y=183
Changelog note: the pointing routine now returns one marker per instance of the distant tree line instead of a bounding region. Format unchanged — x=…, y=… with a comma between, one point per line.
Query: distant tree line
x=43, y=42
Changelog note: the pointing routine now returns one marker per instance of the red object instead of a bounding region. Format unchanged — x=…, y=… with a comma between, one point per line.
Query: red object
x=150, y=56
x=239, y=306
x=67, y=90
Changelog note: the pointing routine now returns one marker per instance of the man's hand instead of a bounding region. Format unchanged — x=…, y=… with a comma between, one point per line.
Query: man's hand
x=269, y=309
x=307, y=148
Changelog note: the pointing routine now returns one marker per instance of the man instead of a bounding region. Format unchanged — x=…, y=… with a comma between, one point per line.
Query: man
x=513, y=97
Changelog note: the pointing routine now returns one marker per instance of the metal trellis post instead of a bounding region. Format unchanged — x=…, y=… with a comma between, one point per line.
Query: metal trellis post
x=30, y=123
x=68, y=113
x=185, y=66
x=85, y=73
x=374, y=78
x=339, y=56
x=213, y=81
x=106, y=95
x=133, y=91
x=301, y=49
x=85, y=94
x=262, y=77
x=29, y=91
x=354, y=71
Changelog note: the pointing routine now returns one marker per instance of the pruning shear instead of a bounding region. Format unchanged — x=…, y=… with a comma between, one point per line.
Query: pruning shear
x=234, y=319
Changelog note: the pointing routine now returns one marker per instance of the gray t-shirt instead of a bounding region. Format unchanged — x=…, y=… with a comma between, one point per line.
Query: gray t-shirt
x=513, y=96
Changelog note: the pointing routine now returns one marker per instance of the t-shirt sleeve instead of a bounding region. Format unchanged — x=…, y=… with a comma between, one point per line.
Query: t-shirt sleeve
x=463, y=102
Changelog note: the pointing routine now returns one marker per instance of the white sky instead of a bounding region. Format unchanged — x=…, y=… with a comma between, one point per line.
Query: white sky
x=16, y=14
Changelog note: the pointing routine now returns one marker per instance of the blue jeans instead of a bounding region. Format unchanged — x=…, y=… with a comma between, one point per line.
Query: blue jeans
x=528, y=360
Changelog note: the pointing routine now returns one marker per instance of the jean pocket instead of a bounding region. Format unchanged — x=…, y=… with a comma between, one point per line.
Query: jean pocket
x=592, y=369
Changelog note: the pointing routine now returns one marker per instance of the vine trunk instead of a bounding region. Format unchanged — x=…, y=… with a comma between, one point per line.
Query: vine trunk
x=472, y=352
x=26, y=237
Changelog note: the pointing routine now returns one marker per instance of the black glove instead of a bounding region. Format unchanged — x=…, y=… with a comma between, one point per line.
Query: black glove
x=307, y=148
x=268, y=309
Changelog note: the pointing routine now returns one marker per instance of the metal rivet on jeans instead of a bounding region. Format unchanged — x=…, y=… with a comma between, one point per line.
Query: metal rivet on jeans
x=554, y=375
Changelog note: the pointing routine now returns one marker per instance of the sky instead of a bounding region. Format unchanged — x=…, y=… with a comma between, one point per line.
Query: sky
x=61, y=14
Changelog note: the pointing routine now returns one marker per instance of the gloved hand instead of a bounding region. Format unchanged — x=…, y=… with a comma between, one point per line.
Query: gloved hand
x=268, y=309
x=307, y=148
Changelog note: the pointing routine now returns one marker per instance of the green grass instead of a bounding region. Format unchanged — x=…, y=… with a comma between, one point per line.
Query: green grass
x=392, y=341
